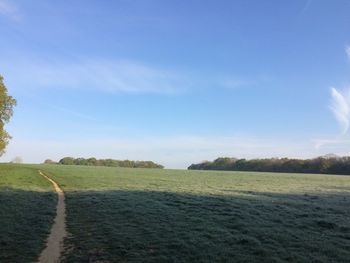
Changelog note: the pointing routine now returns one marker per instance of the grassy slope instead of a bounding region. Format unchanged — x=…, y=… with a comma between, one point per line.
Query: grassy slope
x=27, y=209
x=141, y=215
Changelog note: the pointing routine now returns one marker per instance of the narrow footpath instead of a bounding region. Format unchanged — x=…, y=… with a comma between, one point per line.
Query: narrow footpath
x=54, y=243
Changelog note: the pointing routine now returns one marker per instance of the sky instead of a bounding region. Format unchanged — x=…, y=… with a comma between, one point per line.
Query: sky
x=176, y=82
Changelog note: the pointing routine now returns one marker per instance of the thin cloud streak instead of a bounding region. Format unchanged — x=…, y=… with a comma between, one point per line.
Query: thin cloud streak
x=235, y=83
x=10, y=10
x=322, y=143
x=340, y=106
x=305, y=8
x=72, y=112
x=113, y=76
x=347, y=51
x=103, y=75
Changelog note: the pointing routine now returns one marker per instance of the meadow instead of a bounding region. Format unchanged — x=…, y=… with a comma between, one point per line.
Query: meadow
x=27, y=210
x=153, y=215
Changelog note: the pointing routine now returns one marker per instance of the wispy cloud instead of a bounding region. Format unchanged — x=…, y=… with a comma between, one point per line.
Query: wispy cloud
x=347, y=51
x=72, y=112
x=329, y=143
x=306, y=6
x=9, y=10
x=340, y=106
x=235, y=83
x=118, y=75
x=104, y=75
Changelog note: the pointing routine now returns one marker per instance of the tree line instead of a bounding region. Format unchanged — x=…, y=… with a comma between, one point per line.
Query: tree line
x=323, y=165
x=105, y=162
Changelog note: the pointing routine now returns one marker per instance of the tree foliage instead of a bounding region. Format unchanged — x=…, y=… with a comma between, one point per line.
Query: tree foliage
x=109, y=162
x=324, y=165
x=49, y=161
x=6, y=111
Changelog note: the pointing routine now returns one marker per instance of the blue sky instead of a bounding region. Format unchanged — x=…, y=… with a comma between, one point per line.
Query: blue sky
x=176, y=82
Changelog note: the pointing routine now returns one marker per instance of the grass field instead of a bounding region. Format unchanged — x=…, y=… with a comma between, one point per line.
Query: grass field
x=146, y=215
x=27, y=209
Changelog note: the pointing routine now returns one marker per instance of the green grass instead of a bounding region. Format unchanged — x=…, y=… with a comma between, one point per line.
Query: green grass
x=27, y=209
x=145, y=215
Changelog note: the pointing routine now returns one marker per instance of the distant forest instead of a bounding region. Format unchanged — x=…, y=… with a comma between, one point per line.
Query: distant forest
x=105, y=162
x=323, y=165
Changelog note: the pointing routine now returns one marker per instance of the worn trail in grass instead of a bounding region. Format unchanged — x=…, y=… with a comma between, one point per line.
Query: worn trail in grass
x=27, y=210
x=143, y=215
x=54, y=245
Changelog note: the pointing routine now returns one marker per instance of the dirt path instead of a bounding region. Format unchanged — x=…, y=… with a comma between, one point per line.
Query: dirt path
x=54, y=243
